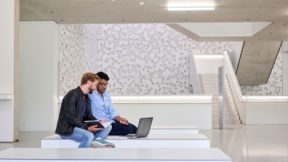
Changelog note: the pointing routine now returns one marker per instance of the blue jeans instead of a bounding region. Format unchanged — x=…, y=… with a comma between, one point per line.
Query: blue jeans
x=86, y=137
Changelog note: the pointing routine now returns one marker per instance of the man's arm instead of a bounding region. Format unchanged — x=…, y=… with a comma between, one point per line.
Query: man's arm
x=111, y=109
x=121, y=120
x=113, y=113
x=71, y=113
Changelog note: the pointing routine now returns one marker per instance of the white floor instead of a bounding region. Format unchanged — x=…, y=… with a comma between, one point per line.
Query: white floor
x=254, y=143
x=247, y=144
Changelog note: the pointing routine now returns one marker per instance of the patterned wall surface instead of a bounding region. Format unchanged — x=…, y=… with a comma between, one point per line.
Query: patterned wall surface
x=285, y=68
x=141, y=59
x=274, y=86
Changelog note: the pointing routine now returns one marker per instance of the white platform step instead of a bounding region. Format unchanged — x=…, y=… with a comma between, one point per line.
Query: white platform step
x=113, y=155
x=184, y=130
x=152, y=141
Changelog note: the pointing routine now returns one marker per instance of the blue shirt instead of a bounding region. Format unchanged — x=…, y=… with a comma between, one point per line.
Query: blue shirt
x=102, y=107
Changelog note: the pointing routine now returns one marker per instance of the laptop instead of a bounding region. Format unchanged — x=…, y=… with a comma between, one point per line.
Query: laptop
x=143, y=129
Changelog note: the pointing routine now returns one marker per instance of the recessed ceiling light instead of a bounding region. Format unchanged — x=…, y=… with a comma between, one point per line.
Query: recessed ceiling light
x=196, y=6
x=141, y=3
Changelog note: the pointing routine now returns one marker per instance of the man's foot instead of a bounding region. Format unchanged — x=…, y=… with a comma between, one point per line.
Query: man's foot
x=101, y=143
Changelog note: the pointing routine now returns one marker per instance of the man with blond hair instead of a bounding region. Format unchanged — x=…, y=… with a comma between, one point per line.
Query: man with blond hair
x=75, y=109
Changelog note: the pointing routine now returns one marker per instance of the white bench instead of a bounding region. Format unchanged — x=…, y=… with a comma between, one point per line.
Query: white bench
x=152, y=141
x=166, y=129
x=113, y=155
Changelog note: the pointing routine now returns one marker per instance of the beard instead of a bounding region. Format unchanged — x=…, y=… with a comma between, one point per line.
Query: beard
x=90, y=90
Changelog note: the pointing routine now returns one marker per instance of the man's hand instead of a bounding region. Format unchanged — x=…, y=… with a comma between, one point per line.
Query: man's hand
x=103, y=121
x=94, y=128
x=123, y=121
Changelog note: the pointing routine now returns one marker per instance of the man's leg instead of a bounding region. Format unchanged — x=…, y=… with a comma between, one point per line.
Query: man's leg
x=100, y=136
x=133, y=128
x=103, y=133
x=121, y=129
x=81, y=135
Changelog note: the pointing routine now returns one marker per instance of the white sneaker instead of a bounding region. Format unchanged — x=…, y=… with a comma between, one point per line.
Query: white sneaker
x=101, y=143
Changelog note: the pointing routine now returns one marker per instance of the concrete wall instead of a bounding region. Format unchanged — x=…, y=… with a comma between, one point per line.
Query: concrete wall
x=38, y=77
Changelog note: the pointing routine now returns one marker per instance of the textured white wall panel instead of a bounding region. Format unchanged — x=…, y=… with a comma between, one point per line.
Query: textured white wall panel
x=141, y=59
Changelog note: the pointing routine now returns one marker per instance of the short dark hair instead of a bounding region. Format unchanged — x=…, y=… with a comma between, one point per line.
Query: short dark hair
x=102, y=75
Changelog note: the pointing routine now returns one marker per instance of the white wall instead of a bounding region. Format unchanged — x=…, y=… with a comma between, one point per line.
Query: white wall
x=38, y=78
x=207, y=64
x=7, y=46
x=171, y=111
x=170, y=114
x=266, y=109
x=235, y=53
x=9, y=14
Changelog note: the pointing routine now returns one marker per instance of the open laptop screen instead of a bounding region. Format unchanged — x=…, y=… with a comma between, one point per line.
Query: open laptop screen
x=143, y=129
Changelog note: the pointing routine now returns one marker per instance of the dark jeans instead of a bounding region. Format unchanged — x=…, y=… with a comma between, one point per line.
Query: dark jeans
x=121, y=129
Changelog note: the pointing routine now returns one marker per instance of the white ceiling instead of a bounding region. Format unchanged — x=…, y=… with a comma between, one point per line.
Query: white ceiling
x=155, y=11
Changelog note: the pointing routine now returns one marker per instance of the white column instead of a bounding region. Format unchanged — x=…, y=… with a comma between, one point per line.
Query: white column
x=9, y=18
x=38, y=77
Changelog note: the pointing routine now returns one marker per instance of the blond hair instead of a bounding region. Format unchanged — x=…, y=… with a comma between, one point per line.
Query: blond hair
x=88, y=76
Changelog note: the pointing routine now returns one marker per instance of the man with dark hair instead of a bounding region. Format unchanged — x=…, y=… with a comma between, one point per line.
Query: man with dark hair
x=75, y=109
x=103, y=108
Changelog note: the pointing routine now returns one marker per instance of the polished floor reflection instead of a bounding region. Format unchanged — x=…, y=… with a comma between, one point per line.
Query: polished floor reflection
x=254, y=143
x=26, y=139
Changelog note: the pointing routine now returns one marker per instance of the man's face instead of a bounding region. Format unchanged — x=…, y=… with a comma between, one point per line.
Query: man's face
x=102, y=86
x=93, y=86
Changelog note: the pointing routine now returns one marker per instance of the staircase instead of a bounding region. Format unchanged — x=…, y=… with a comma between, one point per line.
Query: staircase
x=210, y=87
x=209, y=84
